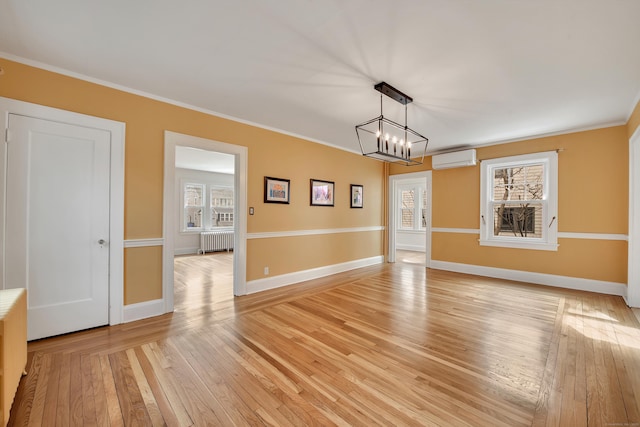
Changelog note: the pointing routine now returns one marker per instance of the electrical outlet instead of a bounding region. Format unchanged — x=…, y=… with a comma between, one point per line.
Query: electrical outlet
x=266, y=271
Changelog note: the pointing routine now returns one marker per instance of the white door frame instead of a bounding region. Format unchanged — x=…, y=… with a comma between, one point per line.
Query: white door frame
x=240, y=153
x=116, y=196
x=633, y=266
x=394, y=182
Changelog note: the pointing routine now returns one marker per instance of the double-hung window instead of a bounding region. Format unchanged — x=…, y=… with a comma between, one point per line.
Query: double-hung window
x=412, y=206
x=193, y=206
x=519, y=198
x=206, y=206
x=221, y=206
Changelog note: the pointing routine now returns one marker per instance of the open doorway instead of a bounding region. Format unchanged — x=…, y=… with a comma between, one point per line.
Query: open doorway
x=410, y=218
x=203, y=243
x=208, y=208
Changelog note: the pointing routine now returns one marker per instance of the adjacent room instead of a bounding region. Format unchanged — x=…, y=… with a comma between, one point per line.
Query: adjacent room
x=320, y=213
x=204, y=235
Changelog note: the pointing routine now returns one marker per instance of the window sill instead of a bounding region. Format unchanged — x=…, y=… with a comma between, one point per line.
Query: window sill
x=539, y=246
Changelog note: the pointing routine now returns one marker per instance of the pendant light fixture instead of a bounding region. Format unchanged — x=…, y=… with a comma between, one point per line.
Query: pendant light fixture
x=389, y=141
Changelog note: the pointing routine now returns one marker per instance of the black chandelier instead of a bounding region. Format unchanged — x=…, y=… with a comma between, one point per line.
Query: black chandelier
x=386, y=140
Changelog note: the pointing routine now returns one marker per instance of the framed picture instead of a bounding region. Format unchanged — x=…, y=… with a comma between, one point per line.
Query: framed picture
x=276, y=190
x=322, y=193
x=357, y=195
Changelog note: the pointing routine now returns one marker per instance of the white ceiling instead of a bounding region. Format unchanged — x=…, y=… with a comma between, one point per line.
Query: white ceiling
x=478, y=71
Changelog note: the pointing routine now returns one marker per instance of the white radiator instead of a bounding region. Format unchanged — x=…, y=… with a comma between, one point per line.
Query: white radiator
x=218, y=240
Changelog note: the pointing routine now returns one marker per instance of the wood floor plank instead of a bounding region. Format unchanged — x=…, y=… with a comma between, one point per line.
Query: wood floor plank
x=145, y=390
x=37, y=409
x=51, y=400
x=206, y=361
x=159, y=397
x=390, y=344
x=202, y=405
x=89, y=416
x=166, y=383
x=99, y=393
x=255, y=398
x=111, y=395
x=63, y=408
x=134, y=411
x=76, y=412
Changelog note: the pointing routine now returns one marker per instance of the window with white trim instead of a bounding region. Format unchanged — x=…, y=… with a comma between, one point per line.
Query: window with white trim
x=519, y=199
x=193, y=206
x=221, y=206
x=206, y=206
x=412, y=206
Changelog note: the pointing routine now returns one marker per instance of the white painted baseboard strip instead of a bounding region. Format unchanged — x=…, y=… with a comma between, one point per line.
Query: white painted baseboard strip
x=414, y=248
x=142, y=310
x=187, y=251
x=315, y=273
x=589, y=285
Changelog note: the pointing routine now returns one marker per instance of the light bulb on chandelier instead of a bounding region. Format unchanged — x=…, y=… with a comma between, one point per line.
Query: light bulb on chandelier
x=395, y=142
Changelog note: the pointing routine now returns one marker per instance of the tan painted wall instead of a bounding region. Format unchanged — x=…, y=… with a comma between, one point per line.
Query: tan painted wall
x=270, y=153
x=593, y=189
x=143, y=266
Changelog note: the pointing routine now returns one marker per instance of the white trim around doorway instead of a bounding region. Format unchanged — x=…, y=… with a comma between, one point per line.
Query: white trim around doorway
x=116, y=196
x=394, y=182
x=633, y=263
x=240, y=153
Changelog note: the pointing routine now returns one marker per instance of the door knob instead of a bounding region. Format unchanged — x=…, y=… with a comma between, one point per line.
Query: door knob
x=101, y=242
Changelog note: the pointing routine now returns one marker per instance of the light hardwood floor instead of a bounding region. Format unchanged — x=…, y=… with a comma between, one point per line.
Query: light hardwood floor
x=392, y=344
x=410, y=257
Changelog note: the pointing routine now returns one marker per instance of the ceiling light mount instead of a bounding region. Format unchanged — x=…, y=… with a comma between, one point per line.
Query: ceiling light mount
x=393, y=93
x=389, y=141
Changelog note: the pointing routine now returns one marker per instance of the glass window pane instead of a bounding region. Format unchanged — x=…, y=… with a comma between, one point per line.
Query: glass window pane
x=407, y=218
x=193, y=217
x=221, y=203
x=518, y=183
x=193, y=195
x=501, y=192
x=407, y=199
x=534, y=190
x=516, y=192
x=517, y=220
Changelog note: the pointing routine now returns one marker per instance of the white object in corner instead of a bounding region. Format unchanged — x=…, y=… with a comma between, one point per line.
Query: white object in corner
x=454, y=159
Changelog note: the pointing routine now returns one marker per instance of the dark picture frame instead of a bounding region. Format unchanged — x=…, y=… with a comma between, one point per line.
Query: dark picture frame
x=357, y=196
x=322, y=192
x=276, y=190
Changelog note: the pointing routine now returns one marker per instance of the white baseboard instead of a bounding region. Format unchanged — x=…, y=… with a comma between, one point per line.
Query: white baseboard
x=589, y=285
x=414, y=248
x=300, y=276
x=143, y=310
x=186, y=251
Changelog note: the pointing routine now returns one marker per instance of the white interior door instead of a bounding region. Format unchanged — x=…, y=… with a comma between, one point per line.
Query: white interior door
x=57, y=223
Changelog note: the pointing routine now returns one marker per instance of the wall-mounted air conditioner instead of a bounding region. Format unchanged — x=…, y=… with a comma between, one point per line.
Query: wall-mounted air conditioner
x=454, y=159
